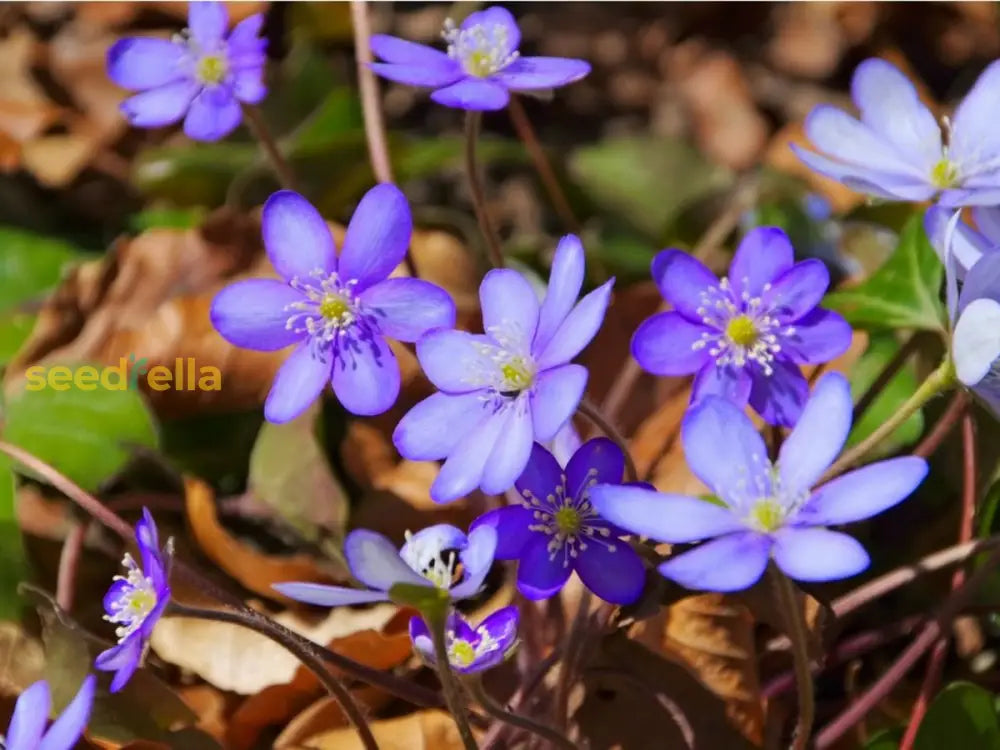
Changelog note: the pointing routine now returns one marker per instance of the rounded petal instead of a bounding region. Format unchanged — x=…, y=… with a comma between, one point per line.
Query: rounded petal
x=296, y=237
x=818, y=554
x=510, y=306
x=475, y=94
x=890, y=185
x=729, y=563
x=500, y=627
x=299, y=382
x=477, y=559
x=510, y=454
x=987, y=219
x=541, y=476
x=435, y=75
x=409, y=308
x=707, y=427
x=499, y=24
x=392, y=49
x=420, y=635
x=248, y=85
x=511, y=524
x=976, y=341
x=456, y=361
x=728, y=382
x=578, y=329
x=974, y=139
x=779, y=397
x=798, y=290
x=30, y=715
x=375, y=561
x=612, y=571
x=434, y=539
x=763, y=255
x=253, y=313
x=213, y=114
x=598, y=461
x=565, y=281
x=330, y=596
x=433, y=428
x=367, y=381
x=819, y=435
x=668, y=344
x=463, y=470
x=818, y=337
x=528, y=73
x=144, y=63
x=555, y=397
x=245, y=34
x=163, y=105
x=541, y=573
x=377, y=237
x=122, y=659
x=967, y=245
x=683, y=281
x=864, y=492
x=68, y=728
x=207, y=22
x=982, y=281
x=666, y=518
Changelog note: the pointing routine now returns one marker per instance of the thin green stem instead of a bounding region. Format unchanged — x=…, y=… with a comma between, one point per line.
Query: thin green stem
x=593, y=413
x=473, y=121
x=937, y=382
x=260, y=131
x=795, y=624
x=450, y=687
x=494, y=709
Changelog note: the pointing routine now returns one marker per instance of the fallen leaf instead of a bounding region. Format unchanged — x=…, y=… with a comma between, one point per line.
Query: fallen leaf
x=209, y=705
x=423, y=730
x=324, y=715
x=22, y=659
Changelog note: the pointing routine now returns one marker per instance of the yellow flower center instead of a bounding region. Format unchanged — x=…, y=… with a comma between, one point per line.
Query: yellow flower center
x=517, y=375
x=212, y=69
x=141, y=602
x=568, y=520
x=742, y=331
x=479, y=64
x=334, y=307
x=945, y=174
x=767, y=515
x=462, y=653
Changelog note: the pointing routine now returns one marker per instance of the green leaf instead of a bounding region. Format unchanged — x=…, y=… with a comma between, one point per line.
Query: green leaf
x=432, y=602
x=961, y=716
x=166, y=218
x=905, y=292
x=15, y=327
x=88, y=435
x=887, y=739
x=13, y=565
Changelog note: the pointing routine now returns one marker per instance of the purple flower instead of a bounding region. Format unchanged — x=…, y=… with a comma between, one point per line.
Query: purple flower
x=557, y=530
x=746, y=335
x=482, y=65
x=764, y=510
x=502, y=390
x=200, y=75
x=896, y=150
x=428, y=558
x=337, y=311
x=968, y=244
x=136, y=601
x=470, y=650
x=31, y=713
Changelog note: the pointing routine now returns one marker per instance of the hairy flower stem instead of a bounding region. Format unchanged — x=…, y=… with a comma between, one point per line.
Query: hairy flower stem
x=937, y=382
x=453, y=696
x=303, y=652
x=473, y=121
x=788, y=605
x=494, y=709
x=591, y=412
x=260, y=131
x=573, y=643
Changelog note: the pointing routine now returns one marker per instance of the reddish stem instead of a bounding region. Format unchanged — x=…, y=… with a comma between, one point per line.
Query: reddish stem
x=956, y=408
x=69, y=561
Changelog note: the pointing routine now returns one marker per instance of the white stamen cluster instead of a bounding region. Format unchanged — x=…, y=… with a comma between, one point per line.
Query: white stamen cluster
x=510, y=369
x=482, y=50
x=429, y=560
x=330, y=307
x=463, y=653
x=134, y=603
x=760, y=498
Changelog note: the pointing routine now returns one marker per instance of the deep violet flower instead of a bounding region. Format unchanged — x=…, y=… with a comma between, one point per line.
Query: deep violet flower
x=470, y=649
x=31, y=714
x=481, y=67
x=201, y=75
x=338, y=311
x=767, y=511
x=896, y=150
x=556, y=529
x=136, y=601
x=744, y=335
x=428, y=558
x=502, y=390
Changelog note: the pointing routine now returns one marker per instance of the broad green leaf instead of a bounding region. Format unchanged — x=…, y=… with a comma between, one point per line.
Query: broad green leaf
x=15, y=327
x=88, y=435
x=905, y=292
x=887, y=739
x=13, y=565
x=166, y=218
x=961, y=716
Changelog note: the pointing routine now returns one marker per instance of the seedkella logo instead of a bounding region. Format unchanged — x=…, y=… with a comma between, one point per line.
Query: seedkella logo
x=186, y=375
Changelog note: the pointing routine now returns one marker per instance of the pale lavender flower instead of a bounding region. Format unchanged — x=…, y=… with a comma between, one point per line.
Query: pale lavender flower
x=968, y=243
x=470, y=649
x=31, y=714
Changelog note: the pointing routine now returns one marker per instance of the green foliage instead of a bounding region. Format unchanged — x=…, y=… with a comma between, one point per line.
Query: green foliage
x=887, y=739
x=963, y=715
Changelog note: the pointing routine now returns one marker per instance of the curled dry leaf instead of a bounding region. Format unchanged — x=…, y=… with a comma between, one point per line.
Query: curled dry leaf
x=21, y=659
x=324, y=715
x=424, y=730
x=209, y=705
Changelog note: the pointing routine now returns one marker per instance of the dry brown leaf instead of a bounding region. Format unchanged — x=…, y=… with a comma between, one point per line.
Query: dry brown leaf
x=661, y=429
x=22, y=659
x=424, y=730
x=56, y=160
x=209, y=706
x=324, y=715
x=807, y=40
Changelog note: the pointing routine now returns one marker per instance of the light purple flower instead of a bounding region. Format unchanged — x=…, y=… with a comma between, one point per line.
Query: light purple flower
x=745, y=335
x=896, y=150
x=136, y=601
x=31, y=714
x=482, y=65
x=470, y=650
x=428, y=558
x=502, y=390
x=201, y=75
x=968, y=244
x=337, y=311
x=556, y=529
x=767, y=511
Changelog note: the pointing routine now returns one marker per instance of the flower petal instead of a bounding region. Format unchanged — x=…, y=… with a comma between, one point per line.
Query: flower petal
x=818, y=436
x=420, y=635
x=666, y=518
x=763, y=255
x=683, y=280
x=798, y=290
x=434, y=427
x=377, y=237
x=248, y=85
x=463, y=470
x=555, y=397
x=475, y=94
x=863, y=179
x=578, y=329
x=565, y=281
x=392, y=49
x=499, y=25
x=510, y=307
x=779, y=397
x=299, y=382
x=540, y=574
x=456, y=361
x=30, y=715
x=598, y=461
x=728, y=382
x=144, y=63
x=818, y=554
x=864, y=492
x=983, y=281
x=541, y=476
x=252, y=314
x=668, y=344
x=500, y=627
x=427, y=76
x=409, y=308
x=207, y=22
x=528, y=73
x=68, y=728
x=122, y=659
x=729, y=563
x=433, y=539
x=967, y=245
x=245, y=35
x=511, y=524
x=213, y=114
x=612, y=571
x=376, y=562
x=819, y=336
x=987, y=220
x=477, y=559
x=367, y=381
x=296, y=237
x=976, y=341
x=974, y=140
x=510, y=455
x=330, y=596
x=161, y=106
